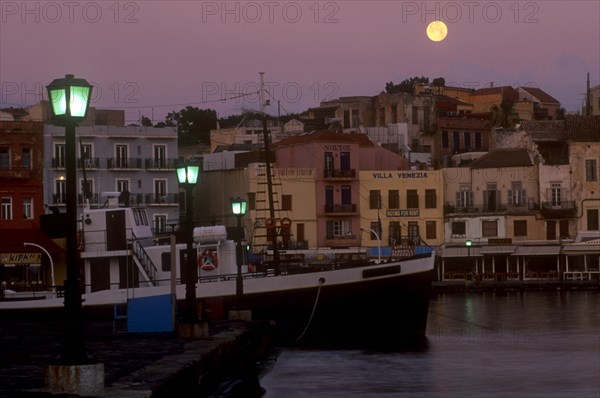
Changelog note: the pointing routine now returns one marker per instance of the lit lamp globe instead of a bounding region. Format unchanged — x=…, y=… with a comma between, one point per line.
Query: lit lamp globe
x=238, y=206
x=69, y=99
x=187, y=174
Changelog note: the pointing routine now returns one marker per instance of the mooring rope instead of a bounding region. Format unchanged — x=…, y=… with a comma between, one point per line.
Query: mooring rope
x=321, y=282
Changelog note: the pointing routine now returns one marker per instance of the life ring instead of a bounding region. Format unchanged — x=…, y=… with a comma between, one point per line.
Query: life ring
x=208, y=260
x=270, y=223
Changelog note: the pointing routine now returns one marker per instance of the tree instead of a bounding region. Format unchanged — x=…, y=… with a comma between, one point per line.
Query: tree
x=146, y=121
x=438, y=82
x=406, y=85
x=503, y=115
x=193, y=124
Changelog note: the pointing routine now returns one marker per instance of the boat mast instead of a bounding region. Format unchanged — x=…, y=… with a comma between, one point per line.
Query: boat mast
x=267, y=141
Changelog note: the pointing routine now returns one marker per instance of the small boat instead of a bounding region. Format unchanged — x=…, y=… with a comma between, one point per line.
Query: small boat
x=326, y=296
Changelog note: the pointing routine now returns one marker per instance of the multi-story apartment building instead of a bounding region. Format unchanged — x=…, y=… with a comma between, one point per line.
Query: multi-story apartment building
x=403, y=207
x=115, y=159
x=22, y=262
x=494, y=205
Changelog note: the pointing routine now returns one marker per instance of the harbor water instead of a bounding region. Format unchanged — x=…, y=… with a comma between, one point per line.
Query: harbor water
x=518, y=344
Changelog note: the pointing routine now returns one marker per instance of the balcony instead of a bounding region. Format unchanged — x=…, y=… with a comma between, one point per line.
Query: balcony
x=340, y=209
x=58, y=163
x=88, y=163
x=339, y=174
x=93, y=198
x=124, y=163
x=159, y=164
x=59, y=199
x=168, y=199
x=342, y=241
x=565, y=209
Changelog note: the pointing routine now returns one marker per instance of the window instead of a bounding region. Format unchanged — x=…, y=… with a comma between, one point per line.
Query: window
x=375, y=226
x=374, y=199
x=121, y=156
x=160, y=191
x=393, y=199
x=459, y=228
x=592, y=220
x=563, y=226
x=60, y=191
x=456, y=141
x=329, y=197
x=430, y=199
x=491, y=198
x=445, y=141
x=87, y=190
x=339, y=229
x=415, y=115
x=516, y=195
x=160, y=156
x=556, y=193
x=122, y=185
x=4, y=159
x=394, y=233
x=413, y=232
x=464, y=197
x=7, y=208
x=345, y=161
x=328, y=164
x=251, y=200
x=591, y=170
x=286, y=202
x=467, y=135
x=489, y=228
x=354, y=117
x=86, y=155
x=412, y=199
x=394, y=110
x=346, y=194
x=346, y=119
x=477, y=140
x=160, y=223
x=59, y=156
x=550, y=230
x=430, y=230
x=26, y=159
x=28, y=208
x=520, y=227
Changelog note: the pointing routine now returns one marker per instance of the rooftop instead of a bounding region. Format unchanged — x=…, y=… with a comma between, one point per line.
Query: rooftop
x=519, y=157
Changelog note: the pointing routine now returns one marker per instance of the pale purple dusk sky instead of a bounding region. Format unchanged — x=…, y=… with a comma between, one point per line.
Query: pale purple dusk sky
x=152, y=57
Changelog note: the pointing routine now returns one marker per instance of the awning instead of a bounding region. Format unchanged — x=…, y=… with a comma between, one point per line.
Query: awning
x=460, y=251
x=587, y=247
x=13, y=239
x=538, y=250
x=498, y=250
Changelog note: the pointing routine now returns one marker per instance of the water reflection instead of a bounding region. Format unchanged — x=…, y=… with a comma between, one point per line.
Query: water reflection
x=526, y=344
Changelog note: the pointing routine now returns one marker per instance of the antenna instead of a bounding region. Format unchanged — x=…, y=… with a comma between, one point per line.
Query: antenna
x=262, y=92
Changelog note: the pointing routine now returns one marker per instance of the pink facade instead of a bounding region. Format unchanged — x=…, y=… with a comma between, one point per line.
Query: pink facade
x=337, y=159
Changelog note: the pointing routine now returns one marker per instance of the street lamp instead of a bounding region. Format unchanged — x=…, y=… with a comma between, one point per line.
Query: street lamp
x=69, y=100
x=378, y=243
x=238, y=207
x=468, y=243
x=187, y=175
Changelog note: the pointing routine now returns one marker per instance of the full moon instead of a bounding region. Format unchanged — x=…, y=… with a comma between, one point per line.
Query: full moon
x=437, y=31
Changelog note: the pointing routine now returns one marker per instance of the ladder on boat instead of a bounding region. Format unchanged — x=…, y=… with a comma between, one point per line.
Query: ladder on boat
x=143, y=261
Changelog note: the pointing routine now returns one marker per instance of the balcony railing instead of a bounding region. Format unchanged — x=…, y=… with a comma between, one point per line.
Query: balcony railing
x=342, y=240
x=339, y=173
x=558, y=209
x=160, y=164
x=339, y=208
x=164, y=199
x=59, y=199
x=88, y=163
x=93, y=198
x=124, y=163
x=58, y=163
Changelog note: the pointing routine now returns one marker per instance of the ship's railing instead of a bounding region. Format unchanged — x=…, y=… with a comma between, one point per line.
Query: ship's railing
x=140, y=254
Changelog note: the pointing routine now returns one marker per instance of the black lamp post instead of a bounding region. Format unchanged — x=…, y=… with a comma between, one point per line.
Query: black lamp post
x=187, y=174
x=468, y=243
x=238, y=207
x=69, y=100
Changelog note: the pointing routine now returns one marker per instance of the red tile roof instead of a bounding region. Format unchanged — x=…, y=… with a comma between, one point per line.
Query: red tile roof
x=326, y=136
x=518, y=157
x=572, y=128
x=541, y=95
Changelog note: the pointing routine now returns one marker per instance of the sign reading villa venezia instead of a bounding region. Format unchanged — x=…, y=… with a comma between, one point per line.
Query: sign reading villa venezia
x=400, y=174
x=20, y=258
